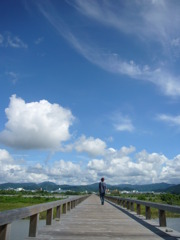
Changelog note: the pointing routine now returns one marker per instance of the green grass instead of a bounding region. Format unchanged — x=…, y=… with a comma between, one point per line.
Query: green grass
x=13, y=202
x=164, y=198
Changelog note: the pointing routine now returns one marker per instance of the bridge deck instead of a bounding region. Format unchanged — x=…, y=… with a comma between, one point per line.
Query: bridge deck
x=90, y=220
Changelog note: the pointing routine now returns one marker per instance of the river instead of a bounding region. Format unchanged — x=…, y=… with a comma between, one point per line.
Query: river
x=20, y=229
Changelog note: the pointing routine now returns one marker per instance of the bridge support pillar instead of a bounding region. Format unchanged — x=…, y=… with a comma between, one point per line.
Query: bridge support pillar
x=162, y=218
x=33, y=225
x=132, y=206
x=58, y=211
x=64, y=208
x=148, y=212
x=49, y=216
x=5, y=231
x=138, y=209
x=69, y=206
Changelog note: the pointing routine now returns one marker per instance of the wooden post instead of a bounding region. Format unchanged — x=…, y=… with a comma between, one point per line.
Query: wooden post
x=58, y=211
x=5, y=232
x=64, y=208
x=162, y=218
x=138, y=209
x=69, y=206
x=49, y=216
x=128, y=205
x=148, y=212
x=132, y=206
x=33, y=225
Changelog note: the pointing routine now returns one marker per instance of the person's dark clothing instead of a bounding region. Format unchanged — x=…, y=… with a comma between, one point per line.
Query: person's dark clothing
x=102, y=190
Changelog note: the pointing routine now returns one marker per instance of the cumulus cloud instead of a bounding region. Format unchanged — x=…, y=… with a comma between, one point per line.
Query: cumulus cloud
x=60, y=172
x=117, y=166
x=9, y=170
x=92, y=146
x=65, y=170
x=35, y=124
x=171, y=170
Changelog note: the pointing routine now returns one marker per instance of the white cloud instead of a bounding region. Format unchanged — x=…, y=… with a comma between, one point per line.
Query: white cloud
x=122, y=123
x=121, y=168
x=62, y=169
x=171, y=120
x=92, y=146
x=15, y=42
x=145, y=19
x=36, y=124
x=117, y=167
x=8, y=168
x=97, y=164
x=171, y=170
x=151, y=22
x=9, y=40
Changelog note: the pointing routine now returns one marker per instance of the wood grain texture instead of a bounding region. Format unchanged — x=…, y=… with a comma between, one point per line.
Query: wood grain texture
x=91, y=220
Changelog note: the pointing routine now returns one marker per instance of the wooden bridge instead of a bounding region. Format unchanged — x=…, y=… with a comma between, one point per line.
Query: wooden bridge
x=91, y=220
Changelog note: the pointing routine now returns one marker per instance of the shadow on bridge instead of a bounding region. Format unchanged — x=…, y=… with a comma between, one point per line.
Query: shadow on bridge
x=153, y=228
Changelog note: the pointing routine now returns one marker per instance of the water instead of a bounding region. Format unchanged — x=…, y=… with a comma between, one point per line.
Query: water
x=173, y=223
x=20, y=229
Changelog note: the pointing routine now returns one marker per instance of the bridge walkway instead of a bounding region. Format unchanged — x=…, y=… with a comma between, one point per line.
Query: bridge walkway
x=90, y=220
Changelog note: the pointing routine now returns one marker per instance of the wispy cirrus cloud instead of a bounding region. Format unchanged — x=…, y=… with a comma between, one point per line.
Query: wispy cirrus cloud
x=122, y=123
x=12, y=76
x=169, y=119
x=9, y=40
x=39, y=40
x=145, y=19
x=141, y=24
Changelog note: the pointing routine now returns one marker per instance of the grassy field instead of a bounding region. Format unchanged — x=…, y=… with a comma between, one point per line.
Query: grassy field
x=19, y=201
x=12, y=202
x=164, y=198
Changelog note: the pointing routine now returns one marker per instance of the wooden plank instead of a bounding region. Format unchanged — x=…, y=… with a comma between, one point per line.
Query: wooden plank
x=91, y=220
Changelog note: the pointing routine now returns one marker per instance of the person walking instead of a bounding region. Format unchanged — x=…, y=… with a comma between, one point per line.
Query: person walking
x=102, y=190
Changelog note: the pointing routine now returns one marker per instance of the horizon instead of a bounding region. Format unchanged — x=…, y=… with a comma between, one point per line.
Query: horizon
x=90, y=89
x=90, y=183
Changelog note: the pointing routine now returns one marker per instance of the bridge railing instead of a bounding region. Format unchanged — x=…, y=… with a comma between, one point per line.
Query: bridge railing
x=62, y=206
x=162, y=208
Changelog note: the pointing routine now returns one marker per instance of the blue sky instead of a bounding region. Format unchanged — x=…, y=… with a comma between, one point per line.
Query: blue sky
x=90, y=89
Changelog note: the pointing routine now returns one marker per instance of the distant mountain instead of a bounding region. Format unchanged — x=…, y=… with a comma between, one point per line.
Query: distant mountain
x=174, y=189
x=50, y=186
x=155, y=187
